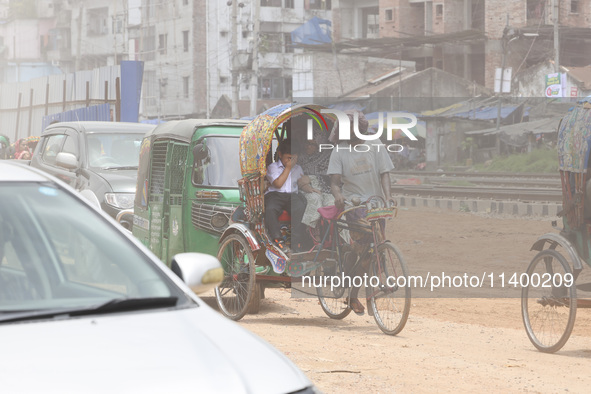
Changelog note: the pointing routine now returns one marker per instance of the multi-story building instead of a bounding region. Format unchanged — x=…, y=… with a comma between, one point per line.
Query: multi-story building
x=477, y=60
x=25, y=36
x=274, y=64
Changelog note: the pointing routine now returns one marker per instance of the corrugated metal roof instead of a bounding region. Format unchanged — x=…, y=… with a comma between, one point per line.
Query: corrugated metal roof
x=581, y=74
x=477, y=109
x=541, y=126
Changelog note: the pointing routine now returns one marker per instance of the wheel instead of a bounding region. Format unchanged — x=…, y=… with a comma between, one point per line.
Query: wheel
x=549, y=305
x=333, y=301
x=255, y=301
x=389, y=296
x=233, y=295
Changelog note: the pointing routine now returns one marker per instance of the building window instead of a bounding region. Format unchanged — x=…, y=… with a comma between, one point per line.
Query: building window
x=185, y=2
x=97, y=21
x=148, y=43
x=185, y=40
x=439, y=10
x=162, y=38
x=186, y=87
x=117, y=26
x=223, y=34
x=287, y=44
x=535, y=11
x=163, y=82
x=270, y=42
x=320, y=4
x=289, y=4
x=223, y=79
x=574, y=6
x=270, y=3
x=274, y=88
x=389, y=15
x=371, y=22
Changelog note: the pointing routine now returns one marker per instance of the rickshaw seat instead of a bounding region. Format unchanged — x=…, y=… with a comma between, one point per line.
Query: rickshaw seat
x=285, y=217
x=329, y=212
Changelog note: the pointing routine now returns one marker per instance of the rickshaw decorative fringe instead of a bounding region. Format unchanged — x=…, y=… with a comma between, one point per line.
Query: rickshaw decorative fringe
x=252, y=193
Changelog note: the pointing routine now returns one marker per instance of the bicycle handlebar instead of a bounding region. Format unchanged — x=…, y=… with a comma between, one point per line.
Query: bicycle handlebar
x=373, y=202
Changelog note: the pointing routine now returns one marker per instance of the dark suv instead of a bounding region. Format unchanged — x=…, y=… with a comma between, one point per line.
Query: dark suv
x=100, y=159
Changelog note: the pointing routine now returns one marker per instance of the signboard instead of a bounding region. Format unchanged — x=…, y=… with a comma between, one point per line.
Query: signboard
x=574, y=91
x=553, y=85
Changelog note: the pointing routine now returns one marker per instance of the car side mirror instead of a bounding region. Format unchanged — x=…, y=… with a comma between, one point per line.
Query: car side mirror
x=199, y=154
x=201, y=272
x=66, y=160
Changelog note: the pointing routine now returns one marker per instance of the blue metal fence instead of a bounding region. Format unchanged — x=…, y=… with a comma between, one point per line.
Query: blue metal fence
x=101, y=112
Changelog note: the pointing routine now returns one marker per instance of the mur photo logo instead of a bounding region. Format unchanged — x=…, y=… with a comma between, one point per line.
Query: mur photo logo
x=392, y=121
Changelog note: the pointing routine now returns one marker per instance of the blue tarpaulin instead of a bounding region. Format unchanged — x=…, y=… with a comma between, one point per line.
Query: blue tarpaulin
x=132, y=73
x=315, y=31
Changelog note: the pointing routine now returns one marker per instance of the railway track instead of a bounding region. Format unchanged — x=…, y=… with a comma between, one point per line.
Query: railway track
x=464, y=174
x=493, y=186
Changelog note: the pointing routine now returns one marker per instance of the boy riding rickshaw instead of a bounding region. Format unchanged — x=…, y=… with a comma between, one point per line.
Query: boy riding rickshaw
x=266, y=244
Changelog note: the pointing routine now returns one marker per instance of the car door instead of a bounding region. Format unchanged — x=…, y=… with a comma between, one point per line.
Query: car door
x=61, y=140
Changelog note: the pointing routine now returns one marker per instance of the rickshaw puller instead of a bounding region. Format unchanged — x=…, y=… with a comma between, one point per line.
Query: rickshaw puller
x=283, y=176
x=360, y=175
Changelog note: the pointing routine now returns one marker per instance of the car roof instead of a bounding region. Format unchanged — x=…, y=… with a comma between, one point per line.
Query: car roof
x=12, y=171
x=185, y=128
x=103, y=127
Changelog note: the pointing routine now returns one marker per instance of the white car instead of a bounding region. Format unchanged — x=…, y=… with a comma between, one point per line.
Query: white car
x=84, y=307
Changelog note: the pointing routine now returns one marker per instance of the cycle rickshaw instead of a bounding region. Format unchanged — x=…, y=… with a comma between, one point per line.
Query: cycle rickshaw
x=549, y=287
x=252, y=262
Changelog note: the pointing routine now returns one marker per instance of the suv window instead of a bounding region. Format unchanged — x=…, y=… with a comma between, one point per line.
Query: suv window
x=52, y=148
x=71, y=146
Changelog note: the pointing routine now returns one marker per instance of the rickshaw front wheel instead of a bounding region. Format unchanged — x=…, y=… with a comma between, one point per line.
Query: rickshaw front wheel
x=549, y=301
x=235, y=292
x=390, y=295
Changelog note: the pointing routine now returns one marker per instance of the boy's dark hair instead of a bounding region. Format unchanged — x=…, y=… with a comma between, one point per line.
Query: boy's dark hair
x=285, y=147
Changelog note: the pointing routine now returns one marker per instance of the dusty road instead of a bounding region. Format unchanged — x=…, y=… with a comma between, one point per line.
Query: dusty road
x=448, y=345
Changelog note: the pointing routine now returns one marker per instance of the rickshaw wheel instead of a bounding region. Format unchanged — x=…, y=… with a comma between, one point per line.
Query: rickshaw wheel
x=233, y=295
x=333, y=302
x=390, y=296
x=548, y=312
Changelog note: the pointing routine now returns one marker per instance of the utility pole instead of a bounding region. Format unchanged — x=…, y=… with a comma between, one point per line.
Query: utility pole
x=233, y=59
x=504, y=45
x=254, y=78
x=466, y=48
x=79, y=39
x=556, y=20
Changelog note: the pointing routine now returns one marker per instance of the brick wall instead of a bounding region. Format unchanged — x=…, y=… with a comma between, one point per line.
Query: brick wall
x=336, y=24
x=407, y=19
x=496, y=12
x=355, y=71
x=582, y=18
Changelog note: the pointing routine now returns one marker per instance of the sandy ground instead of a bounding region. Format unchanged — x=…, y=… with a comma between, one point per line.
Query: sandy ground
x=463, y=344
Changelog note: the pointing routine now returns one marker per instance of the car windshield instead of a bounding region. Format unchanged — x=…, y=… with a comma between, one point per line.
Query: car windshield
x=222, y=166
x=56, y=252
x=112, y=151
